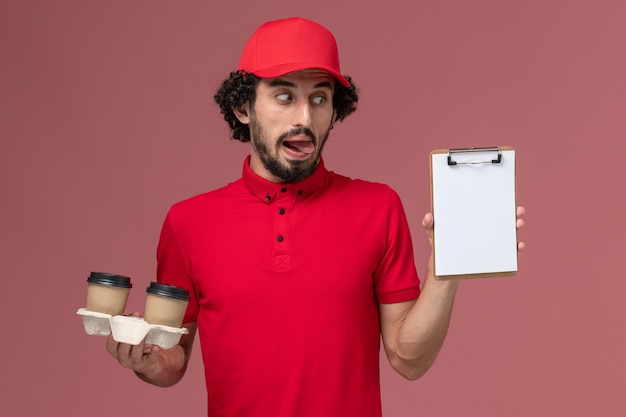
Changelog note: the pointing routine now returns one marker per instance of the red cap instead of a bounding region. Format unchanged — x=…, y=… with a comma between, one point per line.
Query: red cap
x=283, y=46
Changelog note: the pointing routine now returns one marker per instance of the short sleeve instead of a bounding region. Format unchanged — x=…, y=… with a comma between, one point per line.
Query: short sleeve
x=396, y=277
x=173, y=267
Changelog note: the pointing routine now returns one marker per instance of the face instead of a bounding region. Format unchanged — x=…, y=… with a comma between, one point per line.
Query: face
x=289, y=124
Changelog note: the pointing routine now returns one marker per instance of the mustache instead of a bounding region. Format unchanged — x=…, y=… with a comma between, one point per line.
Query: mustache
x=296, y=132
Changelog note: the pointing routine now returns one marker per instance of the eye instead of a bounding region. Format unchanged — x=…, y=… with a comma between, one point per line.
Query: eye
x=319, y=99
x=283, y=97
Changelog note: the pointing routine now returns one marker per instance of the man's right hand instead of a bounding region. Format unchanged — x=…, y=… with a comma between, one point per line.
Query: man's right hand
x=143, y=359
x=162, y=367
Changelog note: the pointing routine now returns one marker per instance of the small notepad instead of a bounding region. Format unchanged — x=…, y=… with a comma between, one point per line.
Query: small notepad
x=474, y=208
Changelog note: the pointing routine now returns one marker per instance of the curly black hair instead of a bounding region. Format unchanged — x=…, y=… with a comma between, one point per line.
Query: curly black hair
x=240, y=88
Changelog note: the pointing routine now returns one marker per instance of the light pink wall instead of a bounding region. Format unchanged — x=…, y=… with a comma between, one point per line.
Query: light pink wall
x=107, y=119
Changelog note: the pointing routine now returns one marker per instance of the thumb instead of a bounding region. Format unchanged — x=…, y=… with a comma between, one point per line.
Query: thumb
x=428, y=221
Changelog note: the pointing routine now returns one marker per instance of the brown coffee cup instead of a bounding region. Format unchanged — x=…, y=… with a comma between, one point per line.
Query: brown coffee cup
x=165, y=304
x=107, y=293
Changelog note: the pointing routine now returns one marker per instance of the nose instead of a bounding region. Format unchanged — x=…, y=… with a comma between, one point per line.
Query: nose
x=302, y=116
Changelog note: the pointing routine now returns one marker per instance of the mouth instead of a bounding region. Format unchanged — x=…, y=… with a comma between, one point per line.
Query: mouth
x=298, y=144
x=301, y=147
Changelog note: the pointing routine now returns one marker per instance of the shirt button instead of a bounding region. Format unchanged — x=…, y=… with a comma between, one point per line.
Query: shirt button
x=280, y=238
x=281, y=211
x=299, y=192
x=268, y=198
x=284, y=189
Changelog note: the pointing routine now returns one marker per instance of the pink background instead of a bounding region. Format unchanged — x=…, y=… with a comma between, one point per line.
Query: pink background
x=107, y=118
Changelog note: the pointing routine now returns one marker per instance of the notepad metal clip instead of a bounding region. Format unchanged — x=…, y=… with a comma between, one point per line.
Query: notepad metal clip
x=473, y=150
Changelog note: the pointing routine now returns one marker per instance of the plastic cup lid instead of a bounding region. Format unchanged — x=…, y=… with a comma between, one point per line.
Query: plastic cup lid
x=113, y=280
x=168, y=291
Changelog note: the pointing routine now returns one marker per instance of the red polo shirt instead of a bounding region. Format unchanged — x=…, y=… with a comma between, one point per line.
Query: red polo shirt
x=285, y=282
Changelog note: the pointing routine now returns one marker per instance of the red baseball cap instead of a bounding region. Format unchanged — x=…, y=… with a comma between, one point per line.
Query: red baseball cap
x=287, y=45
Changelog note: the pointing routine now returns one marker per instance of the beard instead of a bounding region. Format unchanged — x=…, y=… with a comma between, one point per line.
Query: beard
x=290, y=170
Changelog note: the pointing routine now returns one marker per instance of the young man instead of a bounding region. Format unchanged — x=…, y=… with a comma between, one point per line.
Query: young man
x=295, y=272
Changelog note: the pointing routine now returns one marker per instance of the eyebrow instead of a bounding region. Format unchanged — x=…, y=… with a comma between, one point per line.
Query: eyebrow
x=283, y=83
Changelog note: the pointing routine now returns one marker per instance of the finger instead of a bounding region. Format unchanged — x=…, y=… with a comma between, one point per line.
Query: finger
x=137, y=352
x=520, y=223
x=521, y=246
x=111, y=346
x=124, y=351
x=520, y=211
x=153, y=356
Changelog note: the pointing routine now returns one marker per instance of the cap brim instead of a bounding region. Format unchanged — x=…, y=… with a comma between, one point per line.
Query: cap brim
x=287, y=68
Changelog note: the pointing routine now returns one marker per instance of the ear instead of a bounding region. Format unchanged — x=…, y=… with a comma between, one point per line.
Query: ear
x=243, y=113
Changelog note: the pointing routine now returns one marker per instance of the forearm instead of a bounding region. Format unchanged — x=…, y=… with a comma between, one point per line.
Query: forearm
x=420, y=335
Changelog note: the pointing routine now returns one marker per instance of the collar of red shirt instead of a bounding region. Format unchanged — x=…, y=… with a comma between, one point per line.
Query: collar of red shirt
x=266, y=190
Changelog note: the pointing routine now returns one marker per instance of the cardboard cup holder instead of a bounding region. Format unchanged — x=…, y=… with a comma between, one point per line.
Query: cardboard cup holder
x=129, y=329
x=96, y=324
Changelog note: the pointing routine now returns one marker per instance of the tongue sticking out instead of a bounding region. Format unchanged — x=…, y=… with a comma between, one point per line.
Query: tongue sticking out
x=301, y=146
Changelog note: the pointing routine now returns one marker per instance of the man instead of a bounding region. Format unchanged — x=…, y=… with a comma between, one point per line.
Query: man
x=295, y=272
